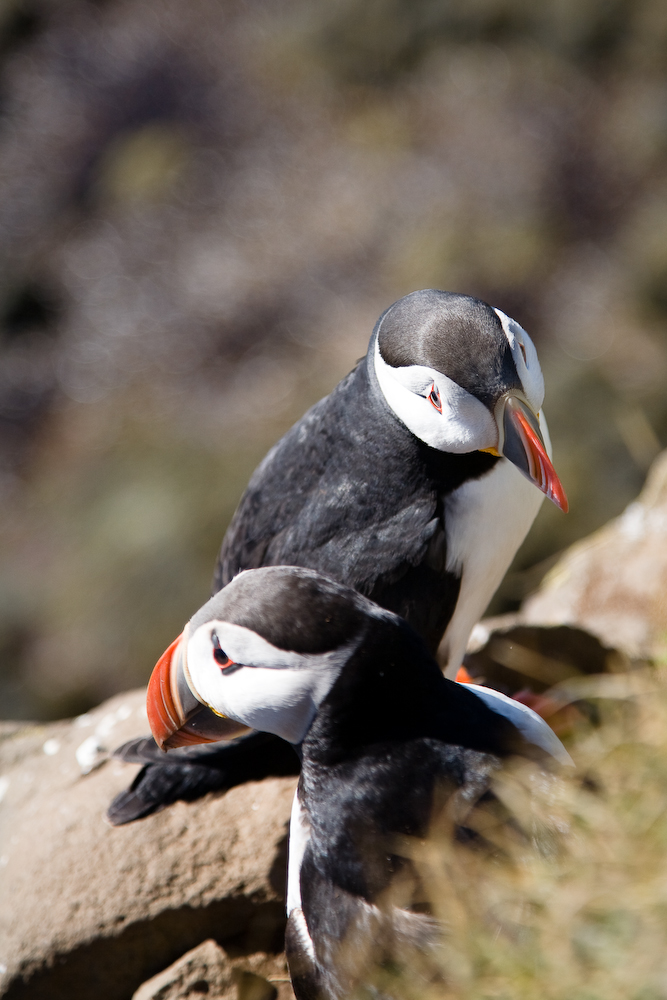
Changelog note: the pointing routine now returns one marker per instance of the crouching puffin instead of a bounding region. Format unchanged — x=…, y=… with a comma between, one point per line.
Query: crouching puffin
x=414, y=482
x=382, y=735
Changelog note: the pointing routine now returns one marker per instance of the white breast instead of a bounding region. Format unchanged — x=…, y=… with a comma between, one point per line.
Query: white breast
x=299, y=835
x=486, y=521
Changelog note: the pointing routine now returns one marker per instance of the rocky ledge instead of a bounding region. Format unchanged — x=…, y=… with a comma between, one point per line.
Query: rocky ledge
x=92, y=911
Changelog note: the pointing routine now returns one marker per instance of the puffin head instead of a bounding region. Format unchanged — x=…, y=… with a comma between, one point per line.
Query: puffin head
x=463, y=377
x=261, y=654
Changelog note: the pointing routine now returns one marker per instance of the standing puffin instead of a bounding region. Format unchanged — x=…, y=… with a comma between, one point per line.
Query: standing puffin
x=412, y=482
x=382, y=735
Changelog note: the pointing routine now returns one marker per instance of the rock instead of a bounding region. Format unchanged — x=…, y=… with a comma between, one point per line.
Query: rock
x=96, y=910
x=510, y=656
x=614, y=583
x=602, y=605
x=206, y=970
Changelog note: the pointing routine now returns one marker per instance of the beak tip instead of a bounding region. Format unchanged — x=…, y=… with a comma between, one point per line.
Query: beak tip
x=524, y=447
x=557, y=495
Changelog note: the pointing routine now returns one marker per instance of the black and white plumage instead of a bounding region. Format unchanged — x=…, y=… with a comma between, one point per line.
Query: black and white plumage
x=396, y=483
x=382, y=735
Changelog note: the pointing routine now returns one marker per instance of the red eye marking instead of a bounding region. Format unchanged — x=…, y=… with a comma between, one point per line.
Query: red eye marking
x=523, y=351
x=434, y=398
x=219, y=654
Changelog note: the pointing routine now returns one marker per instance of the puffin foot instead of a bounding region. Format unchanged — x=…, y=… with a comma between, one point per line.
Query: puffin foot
x=189, y=773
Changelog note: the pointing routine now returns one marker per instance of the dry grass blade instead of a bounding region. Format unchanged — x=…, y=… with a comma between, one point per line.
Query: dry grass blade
x=568, y=900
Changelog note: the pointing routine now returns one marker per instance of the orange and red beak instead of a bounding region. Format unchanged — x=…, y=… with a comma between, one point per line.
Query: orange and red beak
x=176, y=715
x=522, y=443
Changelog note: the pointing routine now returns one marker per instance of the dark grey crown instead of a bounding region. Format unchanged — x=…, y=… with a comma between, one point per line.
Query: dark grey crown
x=458, y=335
x=292, y=608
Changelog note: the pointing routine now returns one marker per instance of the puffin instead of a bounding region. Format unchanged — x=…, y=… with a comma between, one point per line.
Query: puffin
x=414, y=482
x=388, y=745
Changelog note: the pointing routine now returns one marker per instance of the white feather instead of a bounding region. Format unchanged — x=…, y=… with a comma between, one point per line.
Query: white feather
x=464, y=425
x=299, y=835
x=280, y=696
x=486, y=521
x=300, y=927
x=529, y=723
x=528, y=370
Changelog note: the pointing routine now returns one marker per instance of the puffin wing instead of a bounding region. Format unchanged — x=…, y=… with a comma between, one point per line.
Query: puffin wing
x=190, y=772
x=532, y=727
x=331, y=495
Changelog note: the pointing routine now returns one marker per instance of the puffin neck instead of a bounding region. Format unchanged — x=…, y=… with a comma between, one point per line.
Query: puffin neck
x=391, y=691
x=388, y=691
x=379, y=403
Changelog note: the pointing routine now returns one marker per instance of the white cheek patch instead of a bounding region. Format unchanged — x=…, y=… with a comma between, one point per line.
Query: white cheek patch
x=242, y=645
x=529, y=371
x=283, y=702
x=273, y=690
x=464, y=425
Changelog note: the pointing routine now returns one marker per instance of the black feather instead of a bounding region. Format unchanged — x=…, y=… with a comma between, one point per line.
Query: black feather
x=192, y=772
x=351, y=492
x=394, y=746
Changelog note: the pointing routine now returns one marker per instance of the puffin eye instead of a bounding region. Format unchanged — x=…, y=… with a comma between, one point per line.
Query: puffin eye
x=219, y=654
x=523, y=352
x=434, y=398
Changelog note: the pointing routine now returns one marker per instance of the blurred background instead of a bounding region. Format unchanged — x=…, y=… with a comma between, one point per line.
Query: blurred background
x=204, y=206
